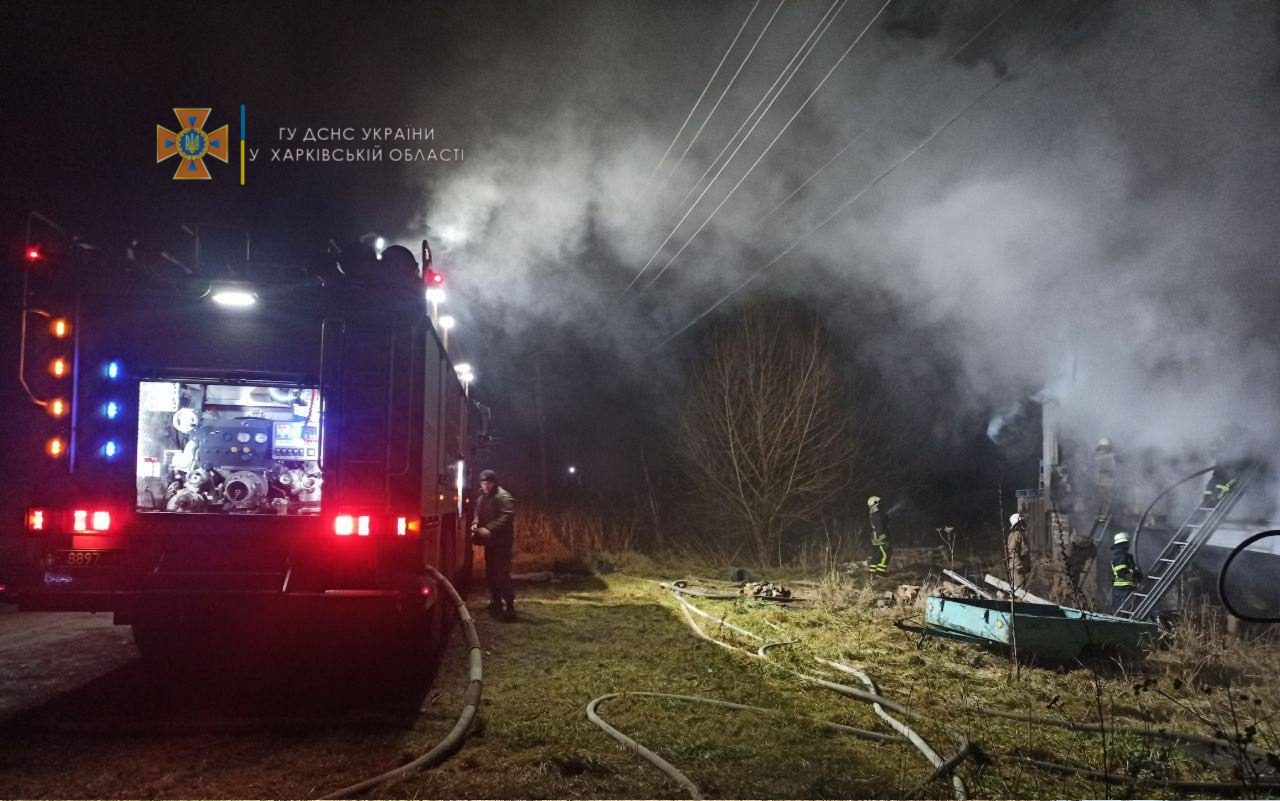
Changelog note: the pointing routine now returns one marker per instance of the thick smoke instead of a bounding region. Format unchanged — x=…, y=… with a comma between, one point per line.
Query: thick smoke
x=1101, y=229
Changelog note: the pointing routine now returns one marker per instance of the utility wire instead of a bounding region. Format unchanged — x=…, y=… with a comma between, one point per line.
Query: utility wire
x=877, y=120
x=710, y=81
x=824, y=23
x=852, y=198
x=726, y=89
x=772, y=142
x=746, y=120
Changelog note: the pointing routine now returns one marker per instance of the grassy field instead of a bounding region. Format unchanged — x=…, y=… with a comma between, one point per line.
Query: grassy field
x=620, y=632
x=133, y=733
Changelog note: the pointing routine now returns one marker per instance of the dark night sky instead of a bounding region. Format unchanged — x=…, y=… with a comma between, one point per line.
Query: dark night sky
x=1100, y=228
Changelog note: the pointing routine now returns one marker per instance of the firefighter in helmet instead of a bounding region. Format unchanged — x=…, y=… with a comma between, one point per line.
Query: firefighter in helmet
x=1125, y=576
x=879, y=560
x=1229, y=462
x=1017, y=551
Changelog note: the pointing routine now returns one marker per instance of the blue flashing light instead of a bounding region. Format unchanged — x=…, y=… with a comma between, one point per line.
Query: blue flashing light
x=111, y=410
x=113, y=370
x=111, y=449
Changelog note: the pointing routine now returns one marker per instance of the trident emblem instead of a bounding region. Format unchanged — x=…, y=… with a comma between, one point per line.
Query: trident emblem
x=192, y=144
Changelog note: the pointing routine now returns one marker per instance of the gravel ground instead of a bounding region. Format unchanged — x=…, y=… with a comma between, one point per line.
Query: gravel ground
x=82, y=716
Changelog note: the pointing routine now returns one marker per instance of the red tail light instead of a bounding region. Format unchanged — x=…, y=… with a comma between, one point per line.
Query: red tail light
x=344, y=525
x=84, y=521
x=37, y=520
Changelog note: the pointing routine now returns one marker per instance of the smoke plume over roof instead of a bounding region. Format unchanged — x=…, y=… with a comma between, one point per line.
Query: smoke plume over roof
x=1100, y=228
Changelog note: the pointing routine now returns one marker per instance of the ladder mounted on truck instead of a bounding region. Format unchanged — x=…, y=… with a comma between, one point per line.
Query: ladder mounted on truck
x=1181, y=550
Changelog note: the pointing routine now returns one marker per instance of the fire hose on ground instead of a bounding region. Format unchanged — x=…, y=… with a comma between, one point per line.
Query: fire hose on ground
x=878, y=702
x=672, y=771
x=947, y=766
x=453, y=740
x=941, y=766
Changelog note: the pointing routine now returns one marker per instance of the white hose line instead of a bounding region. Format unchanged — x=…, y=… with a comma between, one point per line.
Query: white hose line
x=721, y=621
x=453, y=740
x=843, y=689
x=673, y=772
x=873, y=696
x=726, y=596
x=655, y=760
x=906, y=731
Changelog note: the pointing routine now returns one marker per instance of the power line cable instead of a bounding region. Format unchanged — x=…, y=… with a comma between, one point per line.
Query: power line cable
x=912, y=92
x=726, y=89
x=837, y=5
x=710, y=81
x=750, y=115
x=1001, y=82
x=772, y=142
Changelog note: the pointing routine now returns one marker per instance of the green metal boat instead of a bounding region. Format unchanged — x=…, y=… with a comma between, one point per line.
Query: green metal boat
x=1047, y=631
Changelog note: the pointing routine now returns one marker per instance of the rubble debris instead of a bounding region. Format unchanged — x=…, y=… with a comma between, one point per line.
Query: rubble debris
x=950, y=589
x=973, y=588
x=764, y=589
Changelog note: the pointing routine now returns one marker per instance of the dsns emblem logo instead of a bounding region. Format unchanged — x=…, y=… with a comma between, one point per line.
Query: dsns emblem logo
x=191, y=143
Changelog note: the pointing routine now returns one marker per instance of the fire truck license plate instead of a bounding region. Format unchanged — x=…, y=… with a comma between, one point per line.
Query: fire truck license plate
x=80, y=558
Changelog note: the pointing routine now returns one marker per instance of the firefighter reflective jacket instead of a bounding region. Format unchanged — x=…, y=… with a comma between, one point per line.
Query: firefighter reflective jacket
x=879, y=526
x=1124, y=569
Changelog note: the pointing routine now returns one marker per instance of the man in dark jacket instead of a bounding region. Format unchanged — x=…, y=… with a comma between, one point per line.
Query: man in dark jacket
x=495, y=530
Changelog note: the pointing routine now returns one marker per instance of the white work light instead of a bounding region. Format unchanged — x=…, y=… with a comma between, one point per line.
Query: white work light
x=233, y=295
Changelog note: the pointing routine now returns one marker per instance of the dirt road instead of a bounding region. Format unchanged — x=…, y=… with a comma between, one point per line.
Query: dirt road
x=44, y=654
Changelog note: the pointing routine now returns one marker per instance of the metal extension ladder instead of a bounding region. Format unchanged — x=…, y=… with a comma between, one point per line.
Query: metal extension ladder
x=1181, y=550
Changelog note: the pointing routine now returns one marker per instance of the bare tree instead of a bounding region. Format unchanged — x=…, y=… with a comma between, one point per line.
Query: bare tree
x=769, y=436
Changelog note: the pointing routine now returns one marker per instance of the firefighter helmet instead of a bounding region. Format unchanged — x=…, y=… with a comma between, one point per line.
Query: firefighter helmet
x=1121, y=538
x=873, y=500
x=1104, y=443
x=1014, y=519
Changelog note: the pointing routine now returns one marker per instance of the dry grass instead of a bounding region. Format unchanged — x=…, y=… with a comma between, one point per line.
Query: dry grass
x=624, y=633
x=1204, y=680
x=575, y=539
x=616, y=632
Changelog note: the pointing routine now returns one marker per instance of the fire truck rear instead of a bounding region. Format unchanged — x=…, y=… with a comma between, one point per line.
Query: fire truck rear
x=276, y=443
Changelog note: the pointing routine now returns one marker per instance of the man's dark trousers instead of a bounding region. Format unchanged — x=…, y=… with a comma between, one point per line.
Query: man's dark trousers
x=497, y=572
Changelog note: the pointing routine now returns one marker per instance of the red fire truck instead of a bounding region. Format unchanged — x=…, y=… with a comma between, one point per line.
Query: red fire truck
x=218, y=437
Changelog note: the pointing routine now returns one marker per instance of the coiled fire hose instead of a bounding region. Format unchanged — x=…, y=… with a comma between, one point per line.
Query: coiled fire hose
x=453, y=740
